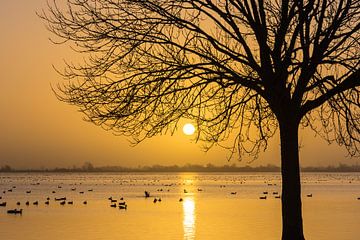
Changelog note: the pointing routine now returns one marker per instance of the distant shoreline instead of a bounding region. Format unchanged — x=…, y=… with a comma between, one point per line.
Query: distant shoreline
x=89, y=168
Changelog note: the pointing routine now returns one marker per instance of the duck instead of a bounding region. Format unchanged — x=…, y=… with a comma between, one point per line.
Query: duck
x=113, y=205
x=62, y=203
x=147, y=194
x=3, y=204
x=123, y=206
x=47, y=202
x=14, y=211
x=70, y=202
x=155, y=200
x=27, y=203
x=85, y=202
x=60, y=199
x=180, y=200
x=18, y=203
x=309, y=195
x=264, y=197
x=233, y=193
x=36, y=203
x=28, y=191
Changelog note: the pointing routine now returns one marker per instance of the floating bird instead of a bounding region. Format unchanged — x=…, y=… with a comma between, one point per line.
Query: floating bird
x=53, y=192
x=265, y=192
x=155, y=200
x=159, y=200
x=147, y=194
x=275, y=193
x=233, y=193
x=309, y=195
x=123, y=206
x=14, y=211
x=70, y=202
x=36, y=203
x=81, y=192
x=122, y=203
x=277, y=196
x=3, y=204
x=27, y=203
x=18, y=203
x=185, y=191
x=113, y=205
x=90, y=190
x=85, y=202
x=47, y=202
x=199, y=190
x=28, y=191
x=48, y=198
x=60, y=199
x=62, y=203
x=73, y=189
x=113, y=200
x=180, y=200
x=264, y=197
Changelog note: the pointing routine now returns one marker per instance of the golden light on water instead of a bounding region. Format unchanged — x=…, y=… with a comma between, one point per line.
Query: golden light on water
x=189, y=129
x=189, y=218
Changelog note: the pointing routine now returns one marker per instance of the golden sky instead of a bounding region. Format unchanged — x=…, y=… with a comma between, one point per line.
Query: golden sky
x=36, y=130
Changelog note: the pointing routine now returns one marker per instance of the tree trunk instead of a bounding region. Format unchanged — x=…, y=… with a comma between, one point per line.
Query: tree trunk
x=291, y=186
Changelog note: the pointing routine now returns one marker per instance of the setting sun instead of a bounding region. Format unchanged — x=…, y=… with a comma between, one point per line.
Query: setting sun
x=188, y=129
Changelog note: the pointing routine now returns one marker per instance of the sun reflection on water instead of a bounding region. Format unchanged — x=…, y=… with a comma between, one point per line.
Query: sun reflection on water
x=189, y=218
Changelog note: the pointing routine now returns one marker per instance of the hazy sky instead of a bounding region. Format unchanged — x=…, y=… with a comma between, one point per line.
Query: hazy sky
x=36, y=130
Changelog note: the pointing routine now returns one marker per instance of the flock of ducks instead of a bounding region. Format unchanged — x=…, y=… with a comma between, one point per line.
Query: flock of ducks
x=114, y=203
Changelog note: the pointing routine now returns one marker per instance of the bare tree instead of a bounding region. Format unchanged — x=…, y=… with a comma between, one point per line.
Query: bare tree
x=240, y=68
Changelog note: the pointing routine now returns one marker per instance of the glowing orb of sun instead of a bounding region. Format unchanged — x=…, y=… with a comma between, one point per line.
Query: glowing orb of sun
x=188, y=129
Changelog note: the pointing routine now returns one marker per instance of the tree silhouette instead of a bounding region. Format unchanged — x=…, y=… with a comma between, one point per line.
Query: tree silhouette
x=240, y=68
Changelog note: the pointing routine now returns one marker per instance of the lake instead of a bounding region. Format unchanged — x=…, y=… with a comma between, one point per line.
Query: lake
x=202, y=206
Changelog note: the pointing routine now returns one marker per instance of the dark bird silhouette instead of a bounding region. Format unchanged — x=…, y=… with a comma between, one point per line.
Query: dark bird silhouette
x=123, y=206
x=14, y=211
x=3, y=204
x=60, y=199
x=309, y=195
x=47, y=202
x=62, y=203
x=28, y=191
x=233, y=193
x=113, y=205
x=264, y=197
x=147, y=194
x=18, y=203
x=70, y=202
x=180, y=200
x=85, y=202
x=36, y=203
x=27, y=203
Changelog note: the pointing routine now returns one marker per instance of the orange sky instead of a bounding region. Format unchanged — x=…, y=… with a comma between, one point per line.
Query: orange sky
x=36, y=130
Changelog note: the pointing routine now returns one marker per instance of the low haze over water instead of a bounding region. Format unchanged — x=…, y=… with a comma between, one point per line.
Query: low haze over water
x=193, y=206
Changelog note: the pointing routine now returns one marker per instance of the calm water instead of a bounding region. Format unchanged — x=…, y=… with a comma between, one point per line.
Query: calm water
x=208, y=210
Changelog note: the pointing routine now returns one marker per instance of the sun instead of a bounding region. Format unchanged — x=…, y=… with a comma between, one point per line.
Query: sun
x=188, y=129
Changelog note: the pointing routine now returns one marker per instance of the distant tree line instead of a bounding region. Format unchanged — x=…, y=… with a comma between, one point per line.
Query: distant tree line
x=88, y=167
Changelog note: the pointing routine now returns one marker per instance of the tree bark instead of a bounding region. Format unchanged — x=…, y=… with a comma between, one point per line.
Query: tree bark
x=291, y=186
